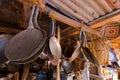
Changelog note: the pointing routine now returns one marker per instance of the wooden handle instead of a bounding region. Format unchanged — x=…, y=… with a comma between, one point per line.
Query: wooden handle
x=25, y=72
x=16, y=76
x=58, y=70
x=76, y=52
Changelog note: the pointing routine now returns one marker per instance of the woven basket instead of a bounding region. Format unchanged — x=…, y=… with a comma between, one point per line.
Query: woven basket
x=100, y=50
x=111, y=30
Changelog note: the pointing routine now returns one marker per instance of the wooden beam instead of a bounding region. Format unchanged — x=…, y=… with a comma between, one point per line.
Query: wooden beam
x=9, y=30
x=72, y=23
x=66, y=29
x=107, y=20
x=24, y=16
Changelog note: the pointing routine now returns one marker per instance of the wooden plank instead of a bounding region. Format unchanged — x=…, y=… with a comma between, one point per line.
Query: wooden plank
x=24, y=17
x=9, y=30
x=107, y=20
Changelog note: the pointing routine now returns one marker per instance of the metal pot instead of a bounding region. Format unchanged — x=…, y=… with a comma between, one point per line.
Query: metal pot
x=67, y=66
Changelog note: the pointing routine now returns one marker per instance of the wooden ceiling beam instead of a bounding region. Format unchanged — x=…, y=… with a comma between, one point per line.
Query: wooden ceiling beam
x=10, y=30
x=107, y=20
x=72, y=23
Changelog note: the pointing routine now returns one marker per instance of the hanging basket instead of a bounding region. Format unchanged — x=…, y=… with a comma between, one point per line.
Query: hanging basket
x=99, y=50
x=111, y=30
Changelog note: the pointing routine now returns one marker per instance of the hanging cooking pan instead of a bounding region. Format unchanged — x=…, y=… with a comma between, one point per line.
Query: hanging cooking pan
x=54, y=44
x=4, y=39
x=32, y=58
x=47, y=50
x=26, y=43
x=36, y=55
x=86, y=51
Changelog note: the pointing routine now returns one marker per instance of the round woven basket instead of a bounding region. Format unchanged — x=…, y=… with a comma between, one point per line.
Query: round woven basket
x=111, y=30
x=100, y=50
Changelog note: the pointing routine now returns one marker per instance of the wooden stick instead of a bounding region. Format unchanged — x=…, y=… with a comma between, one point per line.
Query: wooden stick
x=16, y=76
x=25, y=72
x=58, y=70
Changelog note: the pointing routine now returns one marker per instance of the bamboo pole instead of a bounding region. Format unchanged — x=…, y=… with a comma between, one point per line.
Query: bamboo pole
x=16, y=75
x=25, y=72
x=58, y=70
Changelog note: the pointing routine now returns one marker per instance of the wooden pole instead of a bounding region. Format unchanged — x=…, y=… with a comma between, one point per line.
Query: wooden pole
x=16, y=75
x=73, y=23
x=58, y=70
x=25, y=72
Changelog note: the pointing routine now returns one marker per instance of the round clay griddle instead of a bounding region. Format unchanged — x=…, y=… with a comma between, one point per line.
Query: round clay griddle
x=32, y=58
x=4, y=39
x=24, y=44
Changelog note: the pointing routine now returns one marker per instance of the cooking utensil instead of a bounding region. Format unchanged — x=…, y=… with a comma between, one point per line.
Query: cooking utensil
x=54, y=44
x=32, y=58
x=76, y=52
x=86, y=51
x=67, y=66
x=4, y=39
x=26, y=43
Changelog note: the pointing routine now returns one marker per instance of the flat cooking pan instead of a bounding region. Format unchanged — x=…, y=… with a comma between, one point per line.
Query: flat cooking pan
x=30, y=59
x=54, y=44
x=42, y=44
x=26, y=43
x=4, y=39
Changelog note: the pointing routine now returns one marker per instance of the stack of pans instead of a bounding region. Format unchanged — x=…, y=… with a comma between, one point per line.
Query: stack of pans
x=27, y=45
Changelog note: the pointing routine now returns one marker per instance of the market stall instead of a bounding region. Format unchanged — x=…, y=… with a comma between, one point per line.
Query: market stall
x=59, y=40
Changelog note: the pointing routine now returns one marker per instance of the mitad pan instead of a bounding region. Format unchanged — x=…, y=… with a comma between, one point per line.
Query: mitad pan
x=26, y=43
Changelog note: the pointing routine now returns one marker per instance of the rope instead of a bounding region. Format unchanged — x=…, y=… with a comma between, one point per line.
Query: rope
x=53, y=16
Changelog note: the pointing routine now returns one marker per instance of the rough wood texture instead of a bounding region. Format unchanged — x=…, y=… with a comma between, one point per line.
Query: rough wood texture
x=10, y=11
x=23, y=22
x=9, y=30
